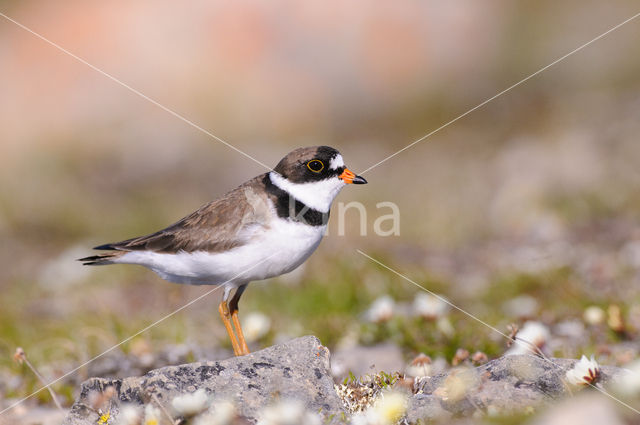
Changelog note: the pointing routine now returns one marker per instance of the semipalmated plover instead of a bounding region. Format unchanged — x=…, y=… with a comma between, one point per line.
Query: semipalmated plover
x=266, y=227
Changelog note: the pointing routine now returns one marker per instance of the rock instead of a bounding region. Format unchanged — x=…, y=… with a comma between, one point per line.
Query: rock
x=297, y=370
x=116, y=363
x=424, y=407
x=294, y=379
x=515, y=383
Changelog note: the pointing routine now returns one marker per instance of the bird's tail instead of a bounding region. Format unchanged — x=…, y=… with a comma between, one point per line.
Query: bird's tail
x=101, y=259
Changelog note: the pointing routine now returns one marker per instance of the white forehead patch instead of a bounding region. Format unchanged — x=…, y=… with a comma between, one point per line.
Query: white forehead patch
x=336, y=162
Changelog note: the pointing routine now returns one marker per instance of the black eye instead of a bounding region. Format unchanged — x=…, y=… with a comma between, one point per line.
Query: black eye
x=315, y=165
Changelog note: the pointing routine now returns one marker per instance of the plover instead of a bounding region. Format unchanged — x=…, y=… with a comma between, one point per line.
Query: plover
x=266, y=227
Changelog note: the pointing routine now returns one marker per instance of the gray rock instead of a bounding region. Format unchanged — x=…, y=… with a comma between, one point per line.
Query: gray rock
x=116, y=363
x=426, y=407
x=299, y=370
x=505, y=385
x=296, y=370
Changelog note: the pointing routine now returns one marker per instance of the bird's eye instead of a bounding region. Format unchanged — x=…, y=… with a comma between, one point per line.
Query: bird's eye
x=315, y=165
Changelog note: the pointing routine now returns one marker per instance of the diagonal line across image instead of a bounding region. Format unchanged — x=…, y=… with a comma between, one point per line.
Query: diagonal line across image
x=560, y=59
x=162, y=319
x=137, y=92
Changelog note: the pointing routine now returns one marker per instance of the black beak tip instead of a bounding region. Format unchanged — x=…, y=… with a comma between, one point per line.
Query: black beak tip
x=359, y=180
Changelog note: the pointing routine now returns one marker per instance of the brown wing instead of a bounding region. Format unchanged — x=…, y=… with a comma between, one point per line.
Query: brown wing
x=220, y=225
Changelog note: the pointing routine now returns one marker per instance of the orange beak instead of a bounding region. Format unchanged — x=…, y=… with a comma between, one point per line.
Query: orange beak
x=349, y=177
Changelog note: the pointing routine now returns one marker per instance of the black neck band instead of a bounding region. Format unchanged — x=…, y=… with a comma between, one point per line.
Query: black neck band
x=289, y=207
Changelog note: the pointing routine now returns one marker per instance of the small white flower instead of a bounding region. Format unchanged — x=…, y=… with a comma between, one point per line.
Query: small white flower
x=532, y=335
x=388, y=409
x=288, y=412
x=255, y=326
x=429, y=306
x=391, y=407
x=130, y=414
x=458, y=383
x=152, y=415
x=191, y=404
x=629, y=383
x=419, y=367
x=381, y=310
x=220, y=413
x=584, y=372
x=593, y=315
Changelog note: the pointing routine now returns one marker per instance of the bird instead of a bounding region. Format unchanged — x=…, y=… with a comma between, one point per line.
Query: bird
x=266, y=227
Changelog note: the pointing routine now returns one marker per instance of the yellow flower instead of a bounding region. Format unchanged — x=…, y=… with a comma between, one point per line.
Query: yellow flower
x=151, y=415
x=104, y=418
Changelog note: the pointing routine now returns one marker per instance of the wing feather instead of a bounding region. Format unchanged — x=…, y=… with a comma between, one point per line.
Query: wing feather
x=220, y=225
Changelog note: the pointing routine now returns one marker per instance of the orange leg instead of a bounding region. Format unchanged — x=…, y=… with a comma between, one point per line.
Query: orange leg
x=224, y=314
x=243, y=344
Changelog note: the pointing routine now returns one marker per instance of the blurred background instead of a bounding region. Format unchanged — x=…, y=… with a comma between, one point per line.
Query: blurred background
x=527, y=209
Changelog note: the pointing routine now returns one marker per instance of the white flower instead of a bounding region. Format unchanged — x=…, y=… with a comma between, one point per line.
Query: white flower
x=288, y=412
x=381, y=310
x=255, y=326
x=151, y=415
x=191, y=404
x=387, y=410
x=391, y=407
x=584, y=372
x=532, y=335
x=220, y=413
x=419, y=367
x=629, y=383
x=130, y=414
x=593, y=315
x=429, y=306
x=457, y=384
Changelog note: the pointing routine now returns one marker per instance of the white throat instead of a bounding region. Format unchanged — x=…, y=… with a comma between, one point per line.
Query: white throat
x=317, y=195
